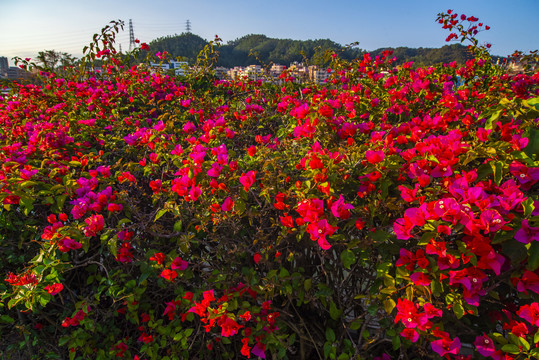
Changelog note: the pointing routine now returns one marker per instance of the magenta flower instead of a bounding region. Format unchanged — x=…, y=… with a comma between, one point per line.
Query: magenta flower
x=485, y=345
x=446, y=346
x=340, y=209
x=248, y=179
x=179, y=264
x=319, y=230
x=228, y=204
x=374, y=157
x=66, y=244
x=526, y=234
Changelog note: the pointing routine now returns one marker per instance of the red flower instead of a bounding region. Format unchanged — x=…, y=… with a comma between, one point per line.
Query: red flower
x=95, y=225
x=168, y=274
x=54, y=288
x=158, y=257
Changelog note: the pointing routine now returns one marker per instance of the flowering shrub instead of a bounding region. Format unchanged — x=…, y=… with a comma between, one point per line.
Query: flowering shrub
x=391, y=212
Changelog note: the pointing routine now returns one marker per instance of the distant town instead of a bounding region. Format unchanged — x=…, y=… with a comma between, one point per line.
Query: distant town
x=295, y=71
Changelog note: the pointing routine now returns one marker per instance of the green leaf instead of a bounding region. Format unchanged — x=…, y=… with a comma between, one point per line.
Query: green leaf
x=536, y=338
x=528, y=207
x=458, y=310
x=348, y=258
x=334, y=311
x=160, y=213
x=497, y=169
x=6, y=319
x=524, y=343
x=356, y=324
x=532, y=102
x=533, y=143
x=330, y=335
x=44, y=299
x=533, y=256
x=178, y=226
x=511, y=349
x=307, y=284
x=492, y=119
x=389, y=305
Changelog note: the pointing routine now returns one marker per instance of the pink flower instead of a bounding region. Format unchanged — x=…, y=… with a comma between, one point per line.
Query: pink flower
x=374, y=157
x=340, y=209
x=178, y=263
x=248, y=179
x=66, y=244
x=228, y=204
x=485, y=345
x=319, y=231
x=446, y=346
x=526, y=234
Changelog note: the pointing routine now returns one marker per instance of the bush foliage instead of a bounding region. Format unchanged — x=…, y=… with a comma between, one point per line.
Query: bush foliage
x=389, y=213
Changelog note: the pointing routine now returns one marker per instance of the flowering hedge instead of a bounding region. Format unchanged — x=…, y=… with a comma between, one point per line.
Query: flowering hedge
x=392, y=212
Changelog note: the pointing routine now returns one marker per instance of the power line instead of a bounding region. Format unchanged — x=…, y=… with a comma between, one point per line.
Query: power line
x=131, y=36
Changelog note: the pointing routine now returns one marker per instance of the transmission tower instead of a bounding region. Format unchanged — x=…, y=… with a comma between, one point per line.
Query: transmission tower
x=188, y=26
x=131, y=36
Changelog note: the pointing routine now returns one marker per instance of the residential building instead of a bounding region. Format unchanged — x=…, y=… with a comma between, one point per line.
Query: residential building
x=4, y=65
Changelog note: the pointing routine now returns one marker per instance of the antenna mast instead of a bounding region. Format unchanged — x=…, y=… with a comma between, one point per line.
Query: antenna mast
x=131, y=36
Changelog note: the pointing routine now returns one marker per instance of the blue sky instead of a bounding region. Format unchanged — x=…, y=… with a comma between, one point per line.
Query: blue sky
x=29, y=26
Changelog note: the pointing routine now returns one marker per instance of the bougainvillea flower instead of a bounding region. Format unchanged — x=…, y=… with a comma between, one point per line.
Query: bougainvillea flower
x=419, y=278
x=484, y=345
x=311, y=209
x=319, y=230
x=340, y=209
x=158, y=257
x=168, y=274
x=65, y=244
x=248, y=179
x=374, y=157
x=228, y=204
x=179, y=264
x=410, y=334
x=526, y=234
x=258, y=350
x=446, y=346
x=54, y=288
x=530, y=313
x=125, y=254
x=528, y=281
x=229, y=327
x=95, y=224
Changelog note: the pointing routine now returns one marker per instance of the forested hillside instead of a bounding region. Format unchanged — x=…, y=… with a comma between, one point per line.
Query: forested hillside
x=260, y=49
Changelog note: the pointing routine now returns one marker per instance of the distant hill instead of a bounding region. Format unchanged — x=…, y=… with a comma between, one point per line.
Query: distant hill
x=284, y=51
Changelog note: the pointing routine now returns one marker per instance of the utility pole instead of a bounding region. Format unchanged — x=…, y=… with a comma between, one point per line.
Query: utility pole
x=188, y=26
x=131, y=36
